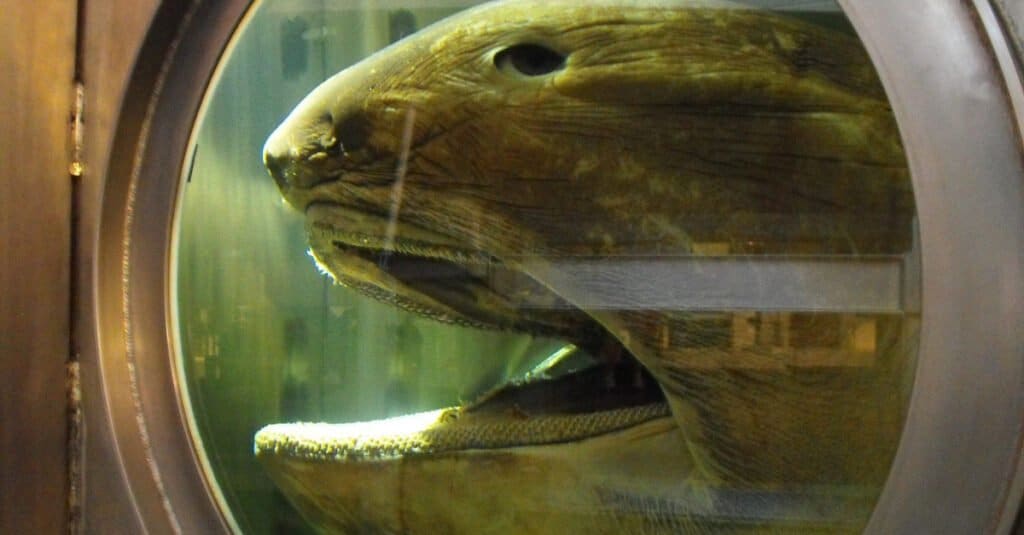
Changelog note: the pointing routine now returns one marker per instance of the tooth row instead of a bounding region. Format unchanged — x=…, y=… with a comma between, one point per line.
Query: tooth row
x=403, y=246
x=433, y=432
x=393, y=299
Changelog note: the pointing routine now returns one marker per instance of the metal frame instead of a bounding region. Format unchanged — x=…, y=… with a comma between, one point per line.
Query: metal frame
x=956, y=470
x=153, y=466
x=958, y=466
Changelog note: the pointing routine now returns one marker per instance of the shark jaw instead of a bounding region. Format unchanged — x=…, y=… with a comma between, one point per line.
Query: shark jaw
x=592, y=423
x=607, y=483
x=429, y=275
x=569, y=397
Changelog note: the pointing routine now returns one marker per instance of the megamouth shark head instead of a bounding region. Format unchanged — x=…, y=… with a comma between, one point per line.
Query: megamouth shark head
x=465, y=172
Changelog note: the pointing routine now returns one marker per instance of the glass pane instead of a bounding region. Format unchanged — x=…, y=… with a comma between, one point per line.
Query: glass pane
x=553, y=267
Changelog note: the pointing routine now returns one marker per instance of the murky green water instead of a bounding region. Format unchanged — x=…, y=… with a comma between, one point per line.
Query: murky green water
x=265, y=336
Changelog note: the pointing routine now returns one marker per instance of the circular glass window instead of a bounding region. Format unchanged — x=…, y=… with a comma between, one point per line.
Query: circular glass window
x=553, y=267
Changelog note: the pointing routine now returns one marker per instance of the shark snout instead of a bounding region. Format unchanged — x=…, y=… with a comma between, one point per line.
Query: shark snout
x=303, y=152
x=277, y=163
x=314, y=146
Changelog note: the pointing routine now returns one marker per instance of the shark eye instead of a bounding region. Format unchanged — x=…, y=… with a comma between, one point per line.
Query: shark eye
x=529, y=60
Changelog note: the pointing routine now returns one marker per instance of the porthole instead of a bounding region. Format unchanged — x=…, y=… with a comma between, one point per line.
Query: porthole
x=680, y=271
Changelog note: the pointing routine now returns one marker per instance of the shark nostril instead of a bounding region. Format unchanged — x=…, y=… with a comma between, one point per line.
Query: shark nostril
x=327, y=141
x=293, y=171
x=330, y=145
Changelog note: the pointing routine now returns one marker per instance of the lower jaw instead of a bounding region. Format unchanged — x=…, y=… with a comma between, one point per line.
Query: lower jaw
x=443, y=431
x=575, y=484
x=346, y=475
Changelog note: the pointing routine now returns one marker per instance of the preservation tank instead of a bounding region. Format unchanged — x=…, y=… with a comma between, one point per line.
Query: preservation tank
x=547, y=267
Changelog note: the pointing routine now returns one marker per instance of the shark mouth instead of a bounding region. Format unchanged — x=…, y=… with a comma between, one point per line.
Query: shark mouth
x=591, y=387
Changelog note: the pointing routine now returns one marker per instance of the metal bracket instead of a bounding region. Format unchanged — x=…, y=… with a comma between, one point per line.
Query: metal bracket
x=77, y=167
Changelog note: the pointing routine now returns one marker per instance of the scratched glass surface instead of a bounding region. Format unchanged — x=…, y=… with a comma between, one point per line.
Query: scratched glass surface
x=659, y=266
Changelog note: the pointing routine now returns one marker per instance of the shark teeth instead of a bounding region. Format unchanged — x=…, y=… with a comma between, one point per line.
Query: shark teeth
x=423, y=249
x=440, y=431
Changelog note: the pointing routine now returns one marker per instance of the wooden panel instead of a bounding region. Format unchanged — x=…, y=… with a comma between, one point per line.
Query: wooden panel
x=37, y=64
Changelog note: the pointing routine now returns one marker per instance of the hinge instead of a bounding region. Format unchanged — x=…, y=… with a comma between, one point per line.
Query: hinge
x=77, y=167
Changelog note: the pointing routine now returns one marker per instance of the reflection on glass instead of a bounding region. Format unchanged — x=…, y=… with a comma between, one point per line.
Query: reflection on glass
x=606, y=267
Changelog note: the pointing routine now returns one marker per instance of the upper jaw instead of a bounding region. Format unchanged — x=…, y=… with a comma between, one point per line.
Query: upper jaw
x=358, y=227
x=432, y=275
